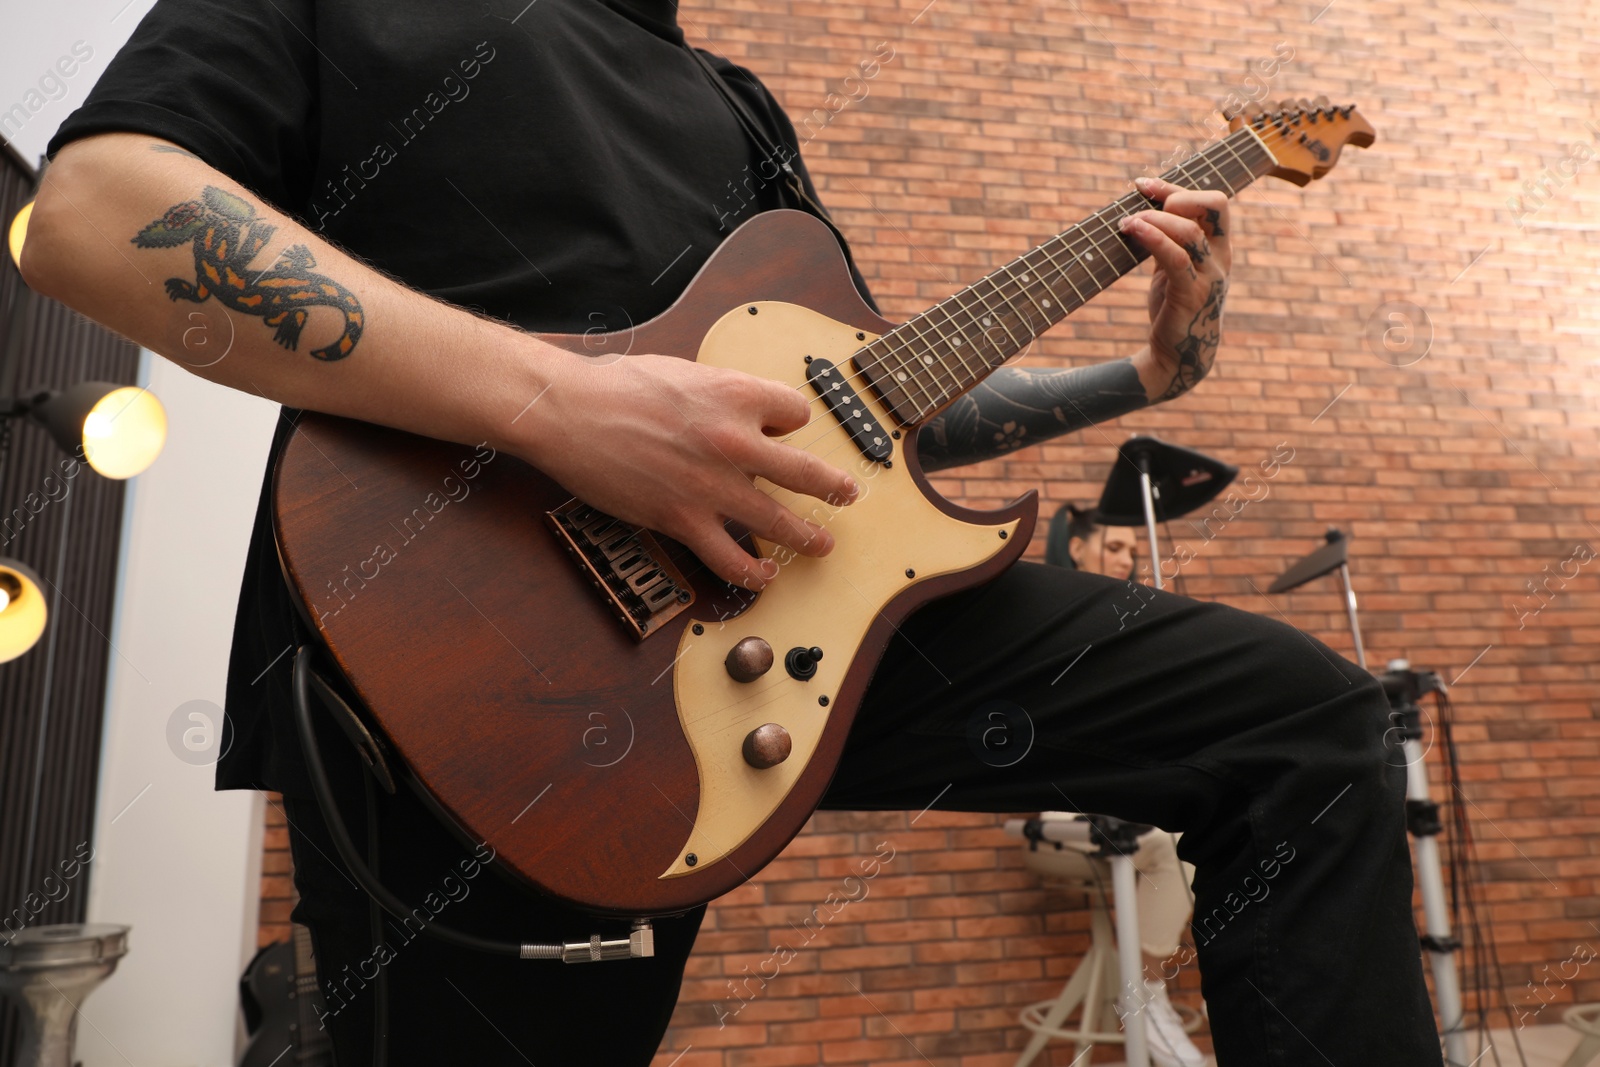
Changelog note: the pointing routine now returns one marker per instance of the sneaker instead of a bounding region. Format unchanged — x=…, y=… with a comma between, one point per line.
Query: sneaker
x=1169, y=1045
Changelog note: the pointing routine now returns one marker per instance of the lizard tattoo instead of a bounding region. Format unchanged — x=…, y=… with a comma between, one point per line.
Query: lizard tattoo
x=227, y=236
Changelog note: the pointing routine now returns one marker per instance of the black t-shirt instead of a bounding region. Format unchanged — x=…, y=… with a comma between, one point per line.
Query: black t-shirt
x=564, y=165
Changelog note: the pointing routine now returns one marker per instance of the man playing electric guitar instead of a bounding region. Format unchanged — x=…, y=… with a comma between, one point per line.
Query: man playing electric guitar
x=559, y=166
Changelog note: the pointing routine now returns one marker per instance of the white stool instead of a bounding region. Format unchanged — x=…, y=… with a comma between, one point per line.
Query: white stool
x=1066, y=851
x=1584, y=1018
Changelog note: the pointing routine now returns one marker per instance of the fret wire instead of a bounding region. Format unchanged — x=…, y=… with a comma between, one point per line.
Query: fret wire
x=1023, y=286
x=938, y=352
x=996, y=282
x=1113, y=234
x=1183, y=172
x=1134, y=252
x=960, y=333
x=1082, y=300
x=914, y=371
x=906, y=375
x=917, y=368
x=1205, y=159
x=1102, y=286
x=972, y=317
x=930, y=359
x=1244, y=167
x=1220, y=176
x=1039, y=273
x=973, y=289
x=948, y=349
x=899, y=348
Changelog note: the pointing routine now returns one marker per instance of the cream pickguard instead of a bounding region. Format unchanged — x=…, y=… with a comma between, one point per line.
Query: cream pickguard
x=890, y=538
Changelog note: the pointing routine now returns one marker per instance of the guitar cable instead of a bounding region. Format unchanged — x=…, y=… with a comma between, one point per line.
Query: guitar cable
x=640, y=943
x=380, y=1006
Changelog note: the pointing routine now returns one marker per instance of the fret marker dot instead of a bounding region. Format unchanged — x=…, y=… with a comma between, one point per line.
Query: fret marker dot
x=1088, y=255
x=900, y=376
x=1026, y=278
x=956, y=341
x=927, y=360
x=987, y=321
x=1047, y=302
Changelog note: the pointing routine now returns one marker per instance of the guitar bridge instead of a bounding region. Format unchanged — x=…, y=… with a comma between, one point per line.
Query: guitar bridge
x=626, y=564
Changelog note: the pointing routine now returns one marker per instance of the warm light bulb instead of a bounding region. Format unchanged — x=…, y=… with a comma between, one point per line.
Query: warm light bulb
x=19, y=232
x=124, y=432
x=22, y=610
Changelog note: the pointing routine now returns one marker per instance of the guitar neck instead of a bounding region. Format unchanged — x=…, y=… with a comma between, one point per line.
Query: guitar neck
x=919, y=367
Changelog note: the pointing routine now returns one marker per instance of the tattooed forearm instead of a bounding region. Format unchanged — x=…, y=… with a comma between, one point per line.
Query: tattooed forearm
x=1016, y=407
x=227, y=237
x=1198, y=348
x=175, y=150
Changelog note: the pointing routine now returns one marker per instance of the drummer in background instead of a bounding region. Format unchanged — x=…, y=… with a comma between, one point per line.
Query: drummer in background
x=1077, y=541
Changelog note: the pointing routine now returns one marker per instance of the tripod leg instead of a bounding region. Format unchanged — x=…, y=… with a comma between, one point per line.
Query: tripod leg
x=1131, y=967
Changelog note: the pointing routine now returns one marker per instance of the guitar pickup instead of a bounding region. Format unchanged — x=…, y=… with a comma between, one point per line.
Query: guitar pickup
x=625, y=564
x=846, y=405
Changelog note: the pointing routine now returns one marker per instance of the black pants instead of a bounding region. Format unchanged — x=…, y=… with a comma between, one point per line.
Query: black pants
x=1046, y=689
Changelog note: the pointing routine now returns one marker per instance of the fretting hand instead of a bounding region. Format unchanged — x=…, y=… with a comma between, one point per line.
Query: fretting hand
x=1188, y=239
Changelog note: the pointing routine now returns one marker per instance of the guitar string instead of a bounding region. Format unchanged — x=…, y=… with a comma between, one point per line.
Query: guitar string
x=1271, y=137
x=1075, y=251
x=1117, y=203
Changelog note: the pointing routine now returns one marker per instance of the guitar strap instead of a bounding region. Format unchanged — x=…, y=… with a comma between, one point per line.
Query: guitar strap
x=792, y=182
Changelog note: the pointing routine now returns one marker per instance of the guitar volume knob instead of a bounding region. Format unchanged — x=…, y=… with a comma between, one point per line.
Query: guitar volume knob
x=749, y=659
x=767, y=746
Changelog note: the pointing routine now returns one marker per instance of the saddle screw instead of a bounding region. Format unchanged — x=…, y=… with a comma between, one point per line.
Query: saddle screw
x=684, y=596
x=698, y=629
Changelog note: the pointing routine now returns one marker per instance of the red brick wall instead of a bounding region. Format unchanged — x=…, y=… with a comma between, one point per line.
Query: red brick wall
x=277, y=876
x=1462, y=477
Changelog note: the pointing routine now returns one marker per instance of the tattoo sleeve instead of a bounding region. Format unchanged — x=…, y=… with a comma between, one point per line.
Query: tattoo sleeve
x=227, y=236
x=1015, y=407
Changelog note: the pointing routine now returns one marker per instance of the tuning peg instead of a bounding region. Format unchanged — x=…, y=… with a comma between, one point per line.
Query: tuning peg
x=1321, y=103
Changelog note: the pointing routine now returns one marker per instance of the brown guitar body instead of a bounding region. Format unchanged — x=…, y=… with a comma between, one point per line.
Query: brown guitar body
x=517, y=698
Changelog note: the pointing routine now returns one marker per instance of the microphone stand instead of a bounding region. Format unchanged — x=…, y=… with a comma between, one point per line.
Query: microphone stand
x=1404, y=688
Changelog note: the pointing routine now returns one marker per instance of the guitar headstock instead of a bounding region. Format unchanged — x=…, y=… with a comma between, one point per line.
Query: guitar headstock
x=1305, y=136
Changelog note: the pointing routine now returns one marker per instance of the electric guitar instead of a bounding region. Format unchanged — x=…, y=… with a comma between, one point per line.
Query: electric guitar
x=630, y=734
x=278, y=993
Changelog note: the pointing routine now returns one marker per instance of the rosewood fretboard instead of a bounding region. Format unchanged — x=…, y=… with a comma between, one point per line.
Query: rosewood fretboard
x=925, y=363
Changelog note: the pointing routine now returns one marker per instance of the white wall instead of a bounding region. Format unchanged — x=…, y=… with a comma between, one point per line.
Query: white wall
x=175, y=860
x=33, y=38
